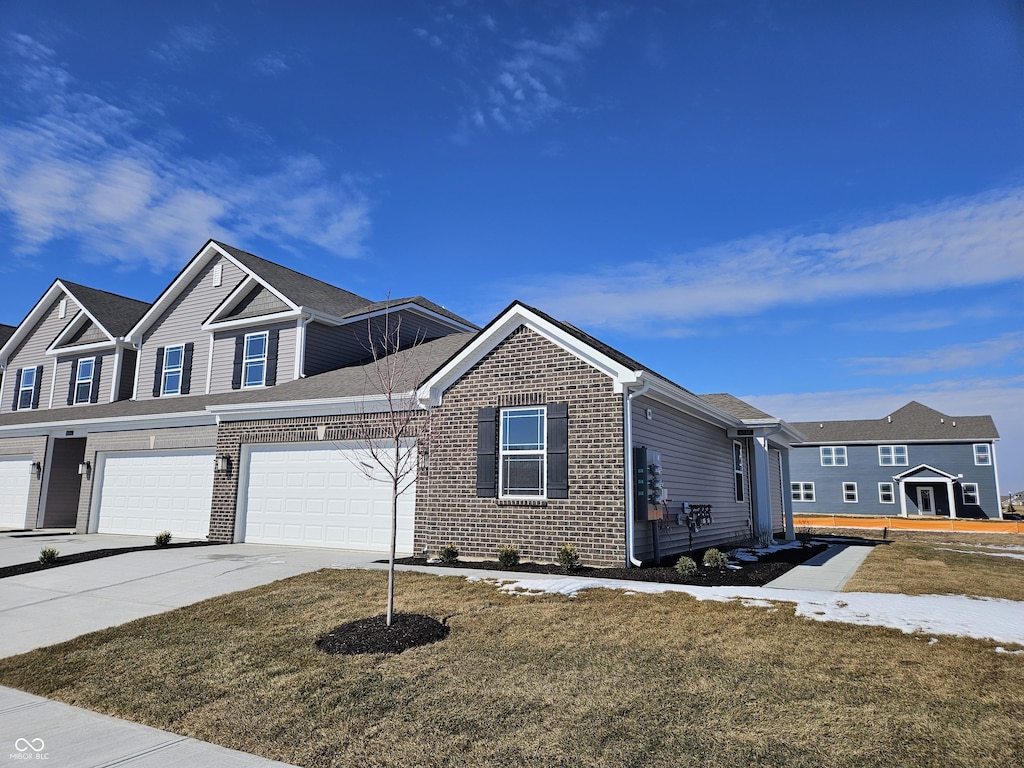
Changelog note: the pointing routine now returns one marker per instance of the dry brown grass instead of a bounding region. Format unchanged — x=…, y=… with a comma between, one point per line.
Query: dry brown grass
x=942, y=563
x=602, y=679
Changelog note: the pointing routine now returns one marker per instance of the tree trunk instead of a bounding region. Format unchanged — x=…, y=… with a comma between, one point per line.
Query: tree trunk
x=394, y=544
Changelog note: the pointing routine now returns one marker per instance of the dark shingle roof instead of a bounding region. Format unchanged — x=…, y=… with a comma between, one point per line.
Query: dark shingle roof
x=733, y=405
x=911, y=422
x=376, y=306
x=6, y=331
x=117, y=314
x=301, y=289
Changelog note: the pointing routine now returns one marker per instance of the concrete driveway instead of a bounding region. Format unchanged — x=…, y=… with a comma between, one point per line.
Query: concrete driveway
x=46, y=607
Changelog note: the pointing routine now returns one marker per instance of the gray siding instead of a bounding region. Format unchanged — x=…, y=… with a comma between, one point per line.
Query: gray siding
x=106, y=378
x=224, y=355
x=863, y=468
x=257, y=303
x=697, y=467
x=32, y=352
x=181, y=323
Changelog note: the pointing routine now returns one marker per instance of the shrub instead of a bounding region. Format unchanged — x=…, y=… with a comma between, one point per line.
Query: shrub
x=163, y=538
x=48, y=555
x=569, y=557
x=686, y=566
x=508, y=555
x=713, y=558
x=448, y=554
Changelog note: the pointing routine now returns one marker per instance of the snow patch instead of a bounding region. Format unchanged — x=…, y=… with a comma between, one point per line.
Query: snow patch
x=975, y=552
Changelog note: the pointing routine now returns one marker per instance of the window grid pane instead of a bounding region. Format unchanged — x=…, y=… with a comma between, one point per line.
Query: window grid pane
x=982, y=455
x=885, y=493
x=523, y=476
x=255, y=360
x=970, y=493
x=850, y=493
x=174, y=358
x=522, y=448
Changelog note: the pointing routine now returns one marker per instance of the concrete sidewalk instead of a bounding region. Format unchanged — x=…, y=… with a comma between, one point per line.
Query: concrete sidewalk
x=33, y=728
x=826, y=572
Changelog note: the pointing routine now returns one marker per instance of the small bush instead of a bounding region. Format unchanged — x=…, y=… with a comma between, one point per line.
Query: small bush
x=508, y=555
x=569, y=557
x=48, y=555
x=713, y=558
x=448, y=554
x=163, y=538
x=686, y=566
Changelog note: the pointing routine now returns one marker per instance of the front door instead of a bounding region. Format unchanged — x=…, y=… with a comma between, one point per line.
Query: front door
x=925, y=503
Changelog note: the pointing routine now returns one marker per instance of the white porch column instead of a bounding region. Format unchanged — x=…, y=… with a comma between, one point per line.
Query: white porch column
x=903, y=496
x=787, y=497
x=951, y=500
x=762, y=496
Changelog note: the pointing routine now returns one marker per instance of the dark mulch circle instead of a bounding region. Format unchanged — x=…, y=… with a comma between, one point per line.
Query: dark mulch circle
x=373, y=635
x=749, y=574
x=93, y=554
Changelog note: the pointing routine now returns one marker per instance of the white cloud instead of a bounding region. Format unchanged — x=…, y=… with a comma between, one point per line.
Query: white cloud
x=966, y=241
x=271, y=64
x=1007, y=348
x=81, y=168
x=183, y=43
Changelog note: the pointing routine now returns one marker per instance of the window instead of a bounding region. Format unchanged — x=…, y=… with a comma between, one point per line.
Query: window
x=892, y=455
x=886, y=495
x=27, y=388
x=83, y=379
x=833, y=456
x=850, y=493
x=982, y=454
x=174, y=363
x=737, y=468
x=522, y=452
x=802, y=491
x=970, y=493
x=254, y=360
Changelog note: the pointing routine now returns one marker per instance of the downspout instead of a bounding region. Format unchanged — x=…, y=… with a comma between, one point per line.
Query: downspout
x=628, y=425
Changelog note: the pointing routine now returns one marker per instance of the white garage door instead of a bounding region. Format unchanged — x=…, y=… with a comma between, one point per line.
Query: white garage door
x=15, y=476
x=316, y=497
x=145, y=493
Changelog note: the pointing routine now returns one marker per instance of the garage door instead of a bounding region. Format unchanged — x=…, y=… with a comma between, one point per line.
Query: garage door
x=316, y=497
x=15, y=476
x=145, y=493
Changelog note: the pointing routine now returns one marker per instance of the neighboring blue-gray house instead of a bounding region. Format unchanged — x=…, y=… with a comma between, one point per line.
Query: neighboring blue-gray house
x=915, y=461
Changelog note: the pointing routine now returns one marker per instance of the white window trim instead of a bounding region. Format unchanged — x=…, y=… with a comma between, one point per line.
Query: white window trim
x=30, y=388
x=179, y=369
x=987, y=453
x=849, y=489
x=833, y=451
x=975, y=493
x=739, y=471
x=542, y=453
x=891, y=492
x=800, y=492
x=892, y=452
x=79, y=381
x=248, y=361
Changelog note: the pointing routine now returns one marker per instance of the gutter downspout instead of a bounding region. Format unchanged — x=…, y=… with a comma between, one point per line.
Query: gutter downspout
x=628, y=442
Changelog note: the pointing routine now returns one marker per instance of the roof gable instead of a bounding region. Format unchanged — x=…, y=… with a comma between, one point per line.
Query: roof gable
x=912, y=422
x=923, y=472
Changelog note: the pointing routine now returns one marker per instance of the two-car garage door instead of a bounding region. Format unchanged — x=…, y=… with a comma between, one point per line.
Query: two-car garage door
x=317, y=496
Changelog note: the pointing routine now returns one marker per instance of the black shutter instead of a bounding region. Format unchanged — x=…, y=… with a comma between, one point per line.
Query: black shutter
x=186, y=368
x=270, y=378
x=558, y=450
x=94, y=392
x=158, y=373
x=17, y=389
x=39, y=382
x=486, y=460
x=236, y=371
x=71, y=384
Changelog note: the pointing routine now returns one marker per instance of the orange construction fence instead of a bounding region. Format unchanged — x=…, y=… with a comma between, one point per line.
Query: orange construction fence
x=915, y=523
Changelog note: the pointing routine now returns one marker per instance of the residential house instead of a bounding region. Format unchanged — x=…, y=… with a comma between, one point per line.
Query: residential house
x=915, y=461
x=252, y=382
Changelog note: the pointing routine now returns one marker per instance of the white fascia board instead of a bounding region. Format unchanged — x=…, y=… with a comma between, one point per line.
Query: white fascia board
x=228, y=325
x=676, y=397
x=289, y=409
x=939, y=474
x=413, y=307
x=77, y=322
x=238, y=294
x=518, y=316
x=810, y=443
x=33, y=317
x=82, y=427
x=96, y=346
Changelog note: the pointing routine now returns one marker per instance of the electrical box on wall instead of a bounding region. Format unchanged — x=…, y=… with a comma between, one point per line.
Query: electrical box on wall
x=647, y=487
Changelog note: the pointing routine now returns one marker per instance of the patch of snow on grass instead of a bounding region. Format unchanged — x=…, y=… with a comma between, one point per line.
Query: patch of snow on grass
x=987, y=554
x=753, y=554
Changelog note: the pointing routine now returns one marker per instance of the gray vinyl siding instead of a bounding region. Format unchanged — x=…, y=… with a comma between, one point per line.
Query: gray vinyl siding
x=64, y=364
x=775, y=489
x=257, y=303
x=863, y=468
x=697, y=468
x=32, y=352
x=64, y=483
x=87, y=334
x=224, y=355
x=182, y=322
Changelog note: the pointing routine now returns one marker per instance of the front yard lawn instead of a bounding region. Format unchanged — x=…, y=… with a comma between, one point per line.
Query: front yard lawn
x=605, y=678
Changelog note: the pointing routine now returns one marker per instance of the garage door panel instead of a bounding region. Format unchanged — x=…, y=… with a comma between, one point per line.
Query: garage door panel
x=324, y=500
x=15, y=480
x=143, y=494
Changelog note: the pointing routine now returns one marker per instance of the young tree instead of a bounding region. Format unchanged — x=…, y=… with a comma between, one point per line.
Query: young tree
x=392, y=427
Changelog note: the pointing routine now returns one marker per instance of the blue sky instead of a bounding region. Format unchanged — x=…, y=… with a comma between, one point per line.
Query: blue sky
x=818, y=207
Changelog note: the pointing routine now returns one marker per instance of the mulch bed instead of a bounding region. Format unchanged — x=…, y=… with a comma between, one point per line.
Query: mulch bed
x=373, y=635
x=752, y=574
x=94, y=554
